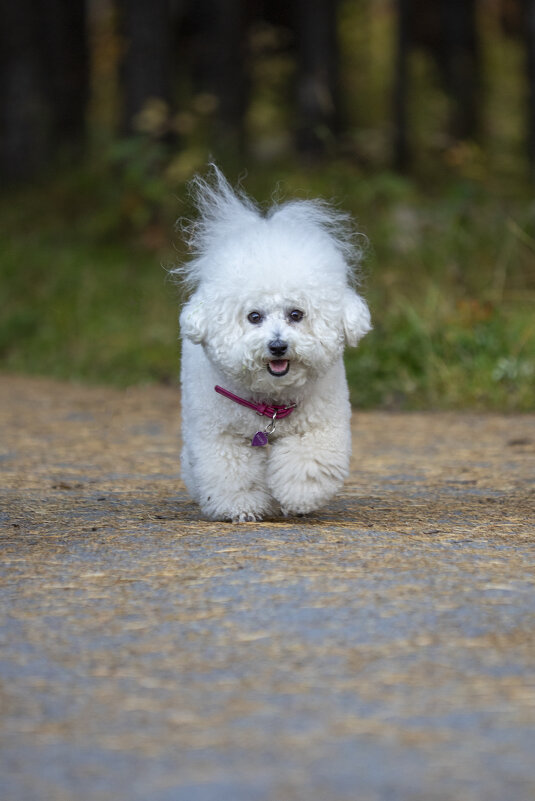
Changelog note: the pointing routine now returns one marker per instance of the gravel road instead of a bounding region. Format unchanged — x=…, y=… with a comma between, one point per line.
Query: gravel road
x=381, y=650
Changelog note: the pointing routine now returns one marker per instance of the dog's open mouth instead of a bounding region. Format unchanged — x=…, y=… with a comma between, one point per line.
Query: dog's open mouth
x=278, y=366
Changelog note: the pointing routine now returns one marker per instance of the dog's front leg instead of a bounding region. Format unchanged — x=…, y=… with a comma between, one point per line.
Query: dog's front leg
x=228, y=479
x=306, y=470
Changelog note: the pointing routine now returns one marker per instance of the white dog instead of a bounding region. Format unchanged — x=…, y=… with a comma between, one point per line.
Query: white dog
x=263, y=334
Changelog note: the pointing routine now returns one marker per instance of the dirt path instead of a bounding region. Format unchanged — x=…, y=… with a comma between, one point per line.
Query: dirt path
x=381, y=650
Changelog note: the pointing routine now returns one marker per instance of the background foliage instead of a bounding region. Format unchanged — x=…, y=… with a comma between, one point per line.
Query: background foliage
x=450, y=257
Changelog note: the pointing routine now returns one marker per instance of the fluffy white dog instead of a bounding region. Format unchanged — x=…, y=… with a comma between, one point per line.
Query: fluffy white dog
x=271, y=309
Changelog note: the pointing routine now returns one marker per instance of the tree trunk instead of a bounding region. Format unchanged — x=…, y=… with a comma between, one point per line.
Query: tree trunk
x=401, y=86
x=24, y=115
x=146, y=67
x=317, y=75
x=43, y=82
x=221, y=69
x=65, y=64
x=530, y=66
x=460, y=60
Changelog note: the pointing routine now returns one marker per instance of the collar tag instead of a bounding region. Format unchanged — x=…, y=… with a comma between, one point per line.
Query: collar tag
x=261, y=438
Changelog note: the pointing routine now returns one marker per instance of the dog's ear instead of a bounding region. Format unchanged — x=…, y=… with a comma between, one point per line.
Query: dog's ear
x=193, y=319
x=355, y=317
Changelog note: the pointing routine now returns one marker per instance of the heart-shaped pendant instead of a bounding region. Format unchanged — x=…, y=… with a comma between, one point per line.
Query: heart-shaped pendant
x=260, y=439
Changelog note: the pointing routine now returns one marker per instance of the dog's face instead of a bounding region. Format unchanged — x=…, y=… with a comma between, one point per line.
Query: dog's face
x=272, y=306
x=272, y=342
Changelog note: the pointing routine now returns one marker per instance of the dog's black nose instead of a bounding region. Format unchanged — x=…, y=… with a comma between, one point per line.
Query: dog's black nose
x=278, y=347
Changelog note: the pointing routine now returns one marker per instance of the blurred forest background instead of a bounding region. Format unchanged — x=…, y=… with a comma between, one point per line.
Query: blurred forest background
x=417, y=116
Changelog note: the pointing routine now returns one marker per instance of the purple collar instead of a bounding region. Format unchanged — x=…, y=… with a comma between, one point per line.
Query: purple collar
x=275, y=412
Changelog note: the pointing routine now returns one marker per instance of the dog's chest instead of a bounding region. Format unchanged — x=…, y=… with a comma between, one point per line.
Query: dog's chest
x=260, y=430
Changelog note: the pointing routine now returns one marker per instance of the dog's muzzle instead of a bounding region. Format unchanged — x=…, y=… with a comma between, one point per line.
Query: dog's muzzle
x=278, y=366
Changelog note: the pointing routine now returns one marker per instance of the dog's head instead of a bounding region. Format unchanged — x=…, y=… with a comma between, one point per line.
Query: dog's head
x=273, y=304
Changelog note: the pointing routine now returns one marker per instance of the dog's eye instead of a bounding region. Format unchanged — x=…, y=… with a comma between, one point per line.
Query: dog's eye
x=296, y=315
x=255, y=317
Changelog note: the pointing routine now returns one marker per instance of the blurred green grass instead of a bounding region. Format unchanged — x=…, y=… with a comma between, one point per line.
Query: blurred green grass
x=450, y=262
x=449, y=273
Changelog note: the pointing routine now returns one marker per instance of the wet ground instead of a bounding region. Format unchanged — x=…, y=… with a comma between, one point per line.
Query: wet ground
x=383, y=650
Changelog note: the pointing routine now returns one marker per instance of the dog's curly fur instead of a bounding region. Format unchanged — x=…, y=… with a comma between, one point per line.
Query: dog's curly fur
x=271, y=309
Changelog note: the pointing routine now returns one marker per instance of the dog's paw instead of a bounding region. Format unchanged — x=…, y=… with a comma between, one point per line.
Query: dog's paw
x=287, y=512
x=306, y=471
x=301, y=497
x=246, y=517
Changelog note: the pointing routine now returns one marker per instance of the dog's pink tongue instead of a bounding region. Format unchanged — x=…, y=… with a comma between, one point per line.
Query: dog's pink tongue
x=278, y=365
